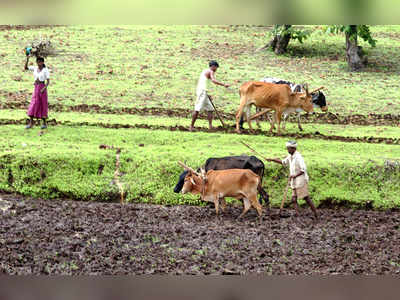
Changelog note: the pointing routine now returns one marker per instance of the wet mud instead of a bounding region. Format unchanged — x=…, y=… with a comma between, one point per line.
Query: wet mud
x=71, y=237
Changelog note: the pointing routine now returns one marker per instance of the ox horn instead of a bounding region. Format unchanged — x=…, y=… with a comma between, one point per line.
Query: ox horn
x=316, y=90
x=203, y=174
x=188, y=168
x=306, y=88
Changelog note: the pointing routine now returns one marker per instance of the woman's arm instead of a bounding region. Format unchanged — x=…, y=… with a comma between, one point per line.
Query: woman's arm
x=26, y=63
x=47, y=84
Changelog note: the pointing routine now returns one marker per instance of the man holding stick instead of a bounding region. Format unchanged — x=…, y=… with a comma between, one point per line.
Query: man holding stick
x=298, y=176
x=203, y=101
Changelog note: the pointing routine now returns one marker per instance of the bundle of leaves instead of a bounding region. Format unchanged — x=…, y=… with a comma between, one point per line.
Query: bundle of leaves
x=41, y=48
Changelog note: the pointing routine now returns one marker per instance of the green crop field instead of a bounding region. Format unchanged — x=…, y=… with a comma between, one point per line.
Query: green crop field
x=158, y=66
x=65, y=162
x=108, y=75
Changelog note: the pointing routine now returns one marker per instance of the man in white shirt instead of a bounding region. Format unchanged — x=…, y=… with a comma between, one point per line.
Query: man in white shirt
x=298, y=176
x=203, y=99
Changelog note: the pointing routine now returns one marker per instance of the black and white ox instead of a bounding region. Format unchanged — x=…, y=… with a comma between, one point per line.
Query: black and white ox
x=318, y=99
x=232, y=162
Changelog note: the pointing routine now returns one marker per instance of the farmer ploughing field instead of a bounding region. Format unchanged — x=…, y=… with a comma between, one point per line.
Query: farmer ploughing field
x=298, y=179
x=203, y=99
x=94, y=193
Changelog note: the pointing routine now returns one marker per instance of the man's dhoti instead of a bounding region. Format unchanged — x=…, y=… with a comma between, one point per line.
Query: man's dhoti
x=301, y=192
x=203, y=102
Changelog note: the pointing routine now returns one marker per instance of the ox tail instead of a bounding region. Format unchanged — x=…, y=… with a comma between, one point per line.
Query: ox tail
x=263, y=193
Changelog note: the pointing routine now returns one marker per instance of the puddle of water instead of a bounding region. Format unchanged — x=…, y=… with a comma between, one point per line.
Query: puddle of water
x=5, y=205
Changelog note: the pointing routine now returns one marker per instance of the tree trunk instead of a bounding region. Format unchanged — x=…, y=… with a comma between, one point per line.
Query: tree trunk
x=280, y=42
x=355, y=56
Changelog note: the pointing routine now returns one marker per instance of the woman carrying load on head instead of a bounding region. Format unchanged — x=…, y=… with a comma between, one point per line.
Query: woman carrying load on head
x=38, y=108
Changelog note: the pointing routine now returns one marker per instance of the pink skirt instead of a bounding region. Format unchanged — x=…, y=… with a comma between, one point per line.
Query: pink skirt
x=38, y=108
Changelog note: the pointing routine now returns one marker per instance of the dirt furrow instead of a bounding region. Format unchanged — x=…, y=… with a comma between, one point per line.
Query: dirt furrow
x=229, y=130
x=320, y=118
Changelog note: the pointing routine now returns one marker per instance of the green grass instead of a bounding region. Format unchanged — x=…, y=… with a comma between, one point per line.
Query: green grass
x=64, y=162
x=132, y=120
x=159, y=65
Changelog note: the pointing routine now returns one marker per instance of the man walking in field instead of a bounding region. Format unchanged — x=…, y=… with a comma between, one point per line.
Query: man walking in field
x=203, y=99
x=298, y=176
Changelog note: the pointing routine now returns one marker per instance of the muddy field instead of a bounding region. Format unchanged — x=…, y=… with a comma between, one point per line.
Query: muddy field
x=53, y=237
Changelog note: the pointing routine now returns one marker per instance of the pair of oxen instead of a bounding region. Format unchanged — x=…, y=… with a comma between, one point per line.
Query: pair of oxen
x=239, y=177
x=278, y=95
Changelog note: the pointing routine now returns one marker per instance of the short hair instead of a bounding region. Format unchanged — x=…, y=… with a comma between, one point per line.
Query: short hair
x=213, y=63
x=38, y=59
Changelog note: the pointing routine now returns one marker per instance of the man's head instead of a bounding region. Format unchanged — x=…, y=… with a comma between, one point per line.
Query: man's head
x=213, y=65
x=291, y=147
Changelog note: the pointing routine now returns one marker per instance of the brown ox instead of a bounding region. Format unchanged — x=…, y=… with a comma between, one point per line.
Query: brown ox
x=277, y=97
x=216, y=185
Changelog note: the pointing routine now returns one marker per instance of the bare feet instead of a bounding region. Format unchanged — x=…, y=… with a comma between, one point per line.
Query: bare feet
x=191, y=129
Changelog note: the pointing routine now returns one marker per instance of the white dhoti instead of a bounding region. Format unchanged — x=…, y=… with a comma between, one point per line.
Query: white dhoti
x=301, y=192
x=203, y=102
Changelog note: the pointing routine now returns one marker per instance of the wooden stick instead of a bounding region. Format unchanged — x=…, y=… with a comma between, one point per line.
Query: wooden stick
x=262, y=156
x=116, y=176
x=260, y=114
x=116, y=173
x=284, y=196
x=219, y=117
x=316, y=90
x=288, y=184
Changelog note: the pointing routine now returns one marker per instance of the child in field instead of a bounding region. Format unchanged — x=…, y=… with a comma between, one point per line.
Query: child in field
x=203, y=99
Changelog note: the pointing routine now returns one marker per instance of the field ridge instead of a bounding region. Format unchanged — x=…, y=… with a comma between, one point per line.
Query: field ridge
x=220, y=129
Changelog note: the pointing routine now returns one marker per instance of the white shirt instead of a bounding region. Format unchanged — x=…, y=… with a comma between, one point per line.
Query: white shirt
x=296, y=165
x=41, y=75
x=202, y=84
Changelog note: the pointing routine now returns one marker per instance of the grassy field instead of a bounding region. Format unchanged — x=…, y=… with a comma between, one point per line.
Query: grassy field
x=158, y=66
x=137, y=66
x=65, y=162
x=75, y=118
